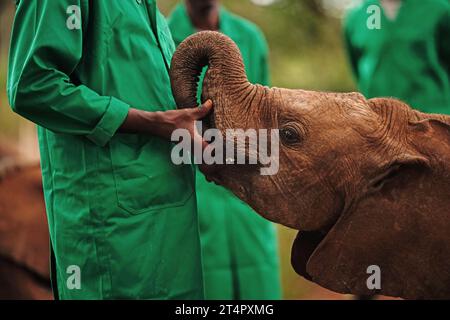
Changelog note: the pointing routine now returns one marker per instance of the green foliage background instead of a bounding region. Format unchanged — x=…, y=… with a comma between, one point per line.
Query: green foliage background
x=9, y=122
x=306, y=52
x=305, y=43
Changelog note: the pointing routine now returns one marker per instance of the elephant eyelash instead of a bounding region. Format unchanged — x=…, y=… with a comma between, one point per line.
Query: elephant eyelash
x=291, y=134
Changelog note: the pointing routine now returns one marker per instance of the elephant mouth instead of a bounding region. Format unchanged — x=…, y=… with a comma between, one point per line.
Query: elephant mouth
x=211, y=173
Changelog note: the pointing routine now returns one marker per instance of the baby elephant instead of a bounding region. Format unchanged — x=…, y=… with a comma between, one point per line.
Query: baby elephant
x=367, y=182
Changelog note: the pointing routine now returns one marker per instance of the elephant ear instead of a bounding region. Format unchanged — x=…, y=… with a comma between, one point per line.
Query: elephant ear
x=399, y=227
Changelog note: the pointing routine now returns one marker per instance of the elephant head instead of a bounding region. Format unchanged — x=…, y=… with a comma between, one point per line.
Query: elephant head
x=366, y=182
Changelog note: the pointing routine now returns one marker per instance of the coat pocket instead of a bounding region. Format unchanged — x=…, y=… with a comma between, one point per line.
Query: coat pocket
x=145, y=177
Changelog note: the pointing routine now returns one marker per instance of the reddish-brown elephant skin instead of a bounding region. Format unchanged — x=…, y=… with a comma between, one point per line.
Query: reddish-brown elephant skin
x=24, y=240
x=366, y=182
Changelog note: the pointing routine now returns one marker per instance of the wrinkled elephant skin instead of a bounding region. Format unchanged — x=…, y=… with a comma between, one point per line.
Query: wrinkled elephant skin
x=366, y=182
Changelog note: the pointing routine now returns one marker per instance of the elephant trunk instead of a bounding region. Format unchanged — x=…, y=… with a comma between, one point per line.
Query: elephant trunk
x=226, y=73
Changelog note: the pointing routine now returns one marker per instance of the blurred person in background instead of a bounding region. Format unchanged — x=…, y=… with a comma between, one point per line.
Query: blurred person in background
x=93, y=75
x=239, y=248
x=407, y=56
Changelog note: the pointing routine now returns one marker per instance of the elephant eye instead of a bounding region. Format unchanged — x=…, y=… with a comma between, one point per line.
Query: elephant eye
x=290, y=135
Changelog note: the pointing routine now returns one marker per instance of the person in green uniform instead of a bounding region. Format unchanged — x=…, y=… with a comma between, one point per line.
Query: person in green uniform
x=239, y=248
x=93, y=74
x=401, y=49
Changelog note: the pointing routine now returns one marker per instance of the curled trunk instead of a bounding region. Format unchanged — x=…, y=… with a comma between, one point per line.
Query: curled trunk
x=226, y=73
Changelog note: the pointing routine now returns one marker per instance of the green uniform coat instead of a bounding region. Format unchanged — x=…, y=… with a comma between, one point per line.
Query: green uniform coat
x=407, y=58
x=118, y=210
x=239, y=248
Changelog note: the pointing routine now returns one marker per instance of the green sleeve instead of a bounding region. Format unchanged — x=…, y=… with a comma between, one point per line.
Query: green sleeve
x=44, y=53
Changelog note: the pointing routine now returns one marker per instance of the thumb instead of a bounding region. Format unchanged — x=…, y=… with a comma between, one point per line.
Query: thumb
x=203, y=110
